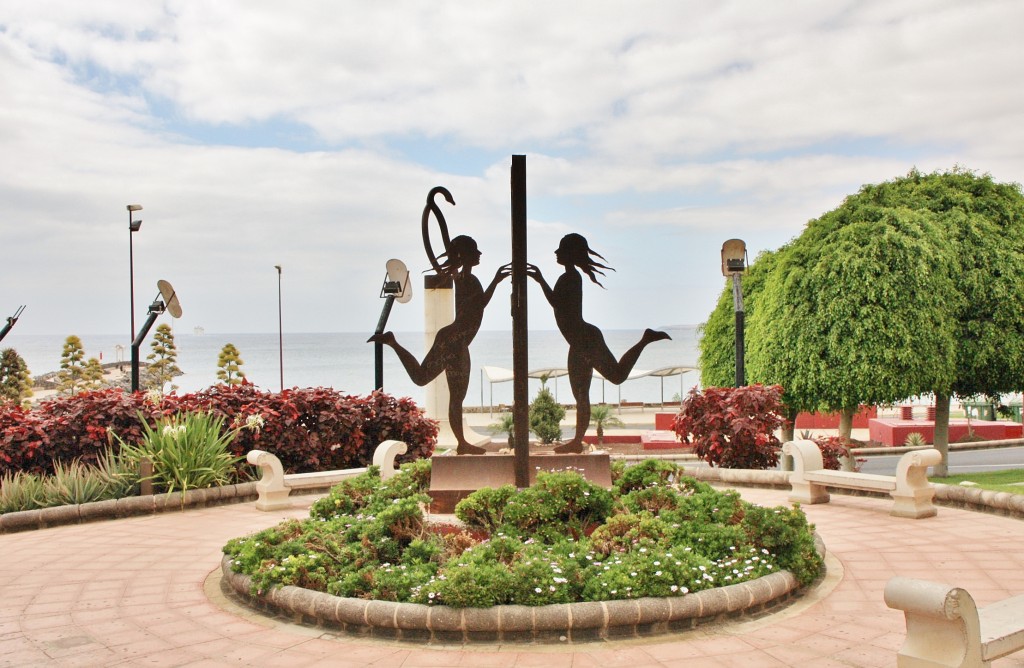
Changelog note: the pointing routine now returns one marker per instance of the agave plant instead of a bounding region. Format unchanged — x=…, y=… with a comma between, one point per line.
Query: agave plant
x=21, y=491
x=187, y=451
x=915, y=440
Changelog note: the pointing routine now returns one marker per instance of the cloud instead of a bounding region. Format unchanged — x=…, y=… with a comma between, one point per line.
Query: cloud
x=308, y=135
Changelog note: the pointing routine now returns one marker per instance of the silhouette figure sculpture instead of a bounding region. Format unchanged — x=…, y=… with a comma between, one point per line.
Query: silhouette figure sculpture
x=587, y=348
x=450, y=350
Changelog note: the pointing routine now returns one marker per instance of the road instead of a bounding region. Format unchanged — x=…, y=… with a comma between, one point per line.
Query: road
x=969, y=461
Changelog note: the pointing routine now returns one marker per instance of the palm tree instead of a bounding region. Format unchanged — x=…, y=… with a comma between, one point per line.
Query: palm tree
x=601, y=416
x=505, y=425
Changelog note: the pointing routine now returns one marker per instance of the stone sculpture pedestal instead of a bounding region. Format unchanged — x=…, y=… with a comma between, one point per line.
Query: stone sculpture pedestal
x=454, y=478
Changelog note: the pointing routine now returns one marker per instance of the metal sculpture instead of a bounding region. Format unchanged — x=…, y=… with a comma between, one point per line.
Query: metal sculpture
x=587, y=348
x=450, y=350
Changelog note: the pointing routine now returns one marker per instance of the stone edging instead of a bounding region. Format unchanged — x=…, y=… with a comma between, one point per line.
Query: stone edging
x=566, y=622
x=952, y=496
x=129, y=506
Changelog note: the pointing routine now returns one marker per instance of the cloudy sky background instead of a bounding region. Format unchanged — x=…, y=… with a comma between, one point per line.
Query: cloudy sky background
x=307, y=134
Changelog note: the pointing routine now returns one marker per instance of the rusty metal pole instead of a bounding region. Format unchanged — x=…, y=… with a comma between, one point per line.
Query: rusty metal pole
x=520, y=331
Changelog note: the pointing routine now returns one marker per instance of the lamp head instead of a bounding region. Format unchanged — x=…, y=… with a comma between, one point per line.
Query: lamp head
x=734, y=257
x=134, y=207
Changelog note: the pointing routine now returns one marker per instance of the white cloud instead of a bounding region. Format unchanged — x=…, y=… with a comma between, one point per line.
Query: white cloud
x=657, y=131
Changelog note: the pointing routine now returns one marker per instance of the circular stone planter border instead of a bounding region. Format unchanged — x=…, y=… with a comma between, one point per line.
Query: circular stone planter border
x=563, y=622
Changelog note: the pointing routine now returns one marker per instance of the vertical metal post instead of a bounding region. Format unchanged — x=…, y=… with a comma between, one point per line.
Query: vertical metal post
x=378, y=347
x=280, y=327
x=520, y=329
x=131, y=270
x=737, y=298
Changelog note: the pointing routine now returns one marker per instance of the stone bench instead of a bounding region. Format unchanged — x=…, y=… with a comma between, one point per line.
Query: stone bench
x=274, y=485
x=946, y=628
x=911, y=492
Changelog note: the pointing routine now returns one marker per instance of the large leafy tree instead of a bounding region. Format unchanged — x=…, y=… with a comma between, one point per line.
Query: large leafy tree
x=911, y=286
x=858, y=310
x=983, y=228
x=15, y=379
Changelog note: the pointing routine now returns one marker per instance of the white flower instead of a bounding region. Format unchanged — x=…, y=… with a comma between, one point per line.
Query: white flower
x=537, y=589
x=254, y=422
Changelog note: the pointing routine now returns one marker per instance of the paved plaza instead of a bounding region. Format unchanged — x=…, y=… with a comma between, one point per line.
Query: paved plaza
x=145, y=591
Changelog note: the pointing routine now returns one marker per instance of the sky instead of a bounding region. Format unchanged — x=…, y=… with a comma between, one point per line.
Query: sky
x=307, y=135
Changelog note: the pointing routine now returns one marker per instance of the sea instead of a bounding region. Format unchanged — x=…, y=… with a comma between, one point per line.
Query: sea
x=345, y=361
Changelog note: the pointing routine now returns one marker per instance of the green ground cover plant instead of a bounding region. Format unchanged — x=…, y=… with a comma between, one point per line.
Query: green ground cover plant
x=655, y=533
x=1010, y=480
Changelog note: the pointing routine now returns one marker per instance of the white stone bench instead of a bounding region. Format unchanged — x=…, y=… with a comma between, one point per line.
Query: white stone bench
x=946, y=628
x=911, y=492
x=274, y=485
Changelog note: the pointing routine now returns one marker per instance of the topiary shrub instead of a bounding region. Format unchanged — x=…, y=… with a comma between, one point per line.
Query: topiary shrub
x=546, y=415
x=733, y=427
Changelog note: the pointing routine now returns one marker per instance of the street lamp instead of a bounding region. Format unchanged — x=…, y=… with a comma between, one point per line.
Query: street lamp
x=396, y=287
x=133, y=227
x=734, y=263
x=280, y=326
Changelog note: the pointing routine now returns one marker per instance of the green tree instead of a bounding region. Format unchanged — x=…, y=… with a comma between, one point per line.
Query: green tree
x=506, y=424
x=911, y=286
x=163, y=361
x=857, y=310
x=92, y=375
x=229, y=364
x=983, y=225
x=15, y=379
x=546, y=415
x=601, y=416
x=72, y=366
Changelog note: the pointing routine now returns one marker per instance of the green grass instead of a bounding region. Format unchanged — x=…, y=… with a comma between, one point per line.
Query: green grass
x=997, y=481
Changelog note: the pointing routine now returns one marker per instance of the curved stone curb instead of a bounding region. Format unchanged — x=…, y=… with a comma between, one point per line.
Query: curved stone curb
x=973, y=498
x=129, y=506
x=570, y=622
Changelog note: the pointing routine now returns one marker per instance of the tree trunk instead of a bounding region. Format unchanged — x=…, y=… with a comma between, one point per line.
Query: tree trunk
x=941, y=437
x=789, y=429
x=846, y=422
x=845, y=432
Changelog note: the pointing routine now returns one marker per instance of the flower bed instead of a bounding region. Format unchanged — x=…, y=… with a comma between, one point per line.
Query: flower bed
x=519, y=554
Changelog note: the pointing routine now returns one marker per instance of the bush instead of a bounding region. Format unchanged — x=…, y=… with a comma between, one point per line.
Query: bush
x=384, y=550
x=833, y=449
x=733, y=427
x=546, y=415
x=308, y=429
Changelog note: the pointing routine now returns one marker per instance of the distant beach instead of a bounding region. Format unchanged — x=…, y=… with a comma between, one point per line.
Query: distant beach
x=345, y=361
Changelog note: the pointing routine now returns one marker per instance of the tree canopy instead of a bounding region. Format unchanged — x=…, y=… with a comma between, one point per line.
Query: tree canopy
x=912, y=286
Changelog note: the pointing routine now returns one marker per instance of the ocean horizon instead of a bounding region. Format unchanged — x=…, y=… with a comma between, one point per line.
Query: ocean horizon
x=345, y=361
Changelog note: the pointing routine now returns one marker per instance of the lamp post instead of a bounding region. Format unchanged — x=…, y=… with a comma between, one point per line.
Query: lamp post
x=734, y=263
x=280, y=326
x=133, y=227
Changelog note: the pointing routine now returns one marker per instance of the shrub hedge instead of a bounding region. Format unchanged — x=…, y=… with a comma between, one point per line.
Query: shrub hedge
x=309, y=429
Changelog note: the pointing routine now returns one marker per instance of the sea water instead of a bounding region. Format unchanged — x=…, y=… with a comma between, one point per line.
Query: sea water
x=345, y=362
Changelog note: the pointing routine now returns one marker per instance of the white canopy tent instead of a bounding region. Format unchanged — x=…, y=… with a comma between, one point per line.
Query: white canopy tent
x=495, y=374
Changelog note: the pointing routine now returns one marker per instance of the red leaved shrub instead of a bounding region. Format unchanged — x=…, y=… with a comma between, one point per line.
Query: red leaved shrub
x=733, y=427
x=309, y=429
x=832, y=449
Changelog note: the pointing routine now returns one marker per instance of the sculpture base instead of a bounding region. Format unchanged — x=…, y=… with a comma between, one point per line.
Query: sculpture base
x=453, y=478
x=446, y=437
